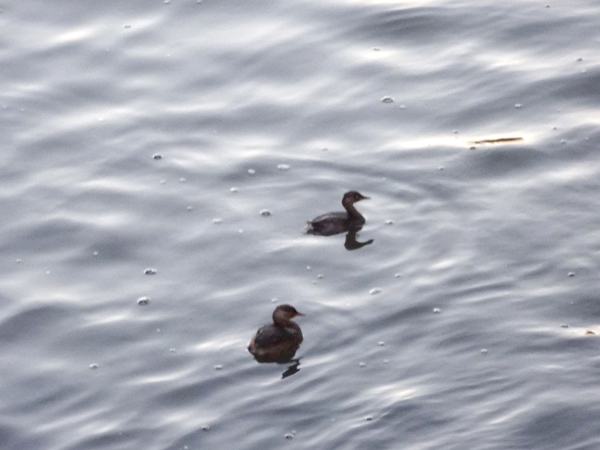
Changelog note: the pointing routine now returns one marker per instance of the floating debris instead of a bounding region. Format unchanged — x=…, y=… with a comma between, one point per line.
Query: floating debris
x=150, y=271
x=387, y=100
x=375, y=291
x=156, y=156
x=265, y=213
x=498, y=141
x=143, y=301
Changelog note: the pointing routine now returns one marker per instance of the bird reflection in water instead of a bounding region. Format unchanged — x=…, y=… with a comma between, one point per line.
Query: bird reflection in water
x=279, y=341
x=350, y=222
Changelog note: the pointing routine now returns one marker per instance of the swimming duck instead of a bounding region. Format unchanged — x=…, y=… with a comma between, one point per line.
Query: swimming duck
x=277, y=342
x=339, y=222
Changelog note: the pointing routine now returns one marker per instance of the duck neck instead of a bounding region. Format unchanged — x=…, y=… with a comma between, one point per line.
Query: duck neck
x=353, y=213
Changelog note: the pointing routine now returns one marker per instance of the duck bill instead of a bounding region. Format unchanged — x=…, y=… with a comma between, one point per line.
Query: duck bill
x=299, y=314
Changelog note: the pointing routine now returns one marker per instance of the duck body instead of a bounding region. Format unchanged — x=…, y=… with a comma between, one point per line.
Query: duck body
x=333, y=223
x=279, y=341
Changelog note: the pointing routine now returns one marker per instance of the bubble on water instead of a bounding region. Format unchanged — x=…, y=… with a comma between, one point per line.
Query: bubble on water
x=484, y=351
x=189, y=208
x=369, y=418
x=143, y=301
x=156, y=156
x=265, y=213
x=437, y=310
x=381, y=343
x=251, y=171
x=162, y=181
x=571, y=274
x=150, y=271
x=402, y=107
x=320, y=276
x=362, y=364
x=389, y=222
x=205, y=427
x=182, y=180
x=289, y=436
x=455, y=132
x=167, y=2
x=283, y=167
x=217, y=220
x=308, y=268
x=441, y=168
x=518, y=106
x=47, y=272
x=274, y=300
x=100, y=119
x=386, y=361
x=397, y=275
x=95, y=253
x=240, y=231
x=93, y=366
x=19, y=260
x=375, y=291
x=172, y=350
x=218, y=367
x=387, y=100
x=563, y=141
x=234, y=190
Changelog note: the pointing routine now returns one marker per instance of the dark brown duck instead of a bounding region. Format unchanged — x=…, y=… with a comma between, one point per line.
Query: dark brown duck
x=339, y=222
x=279, y=341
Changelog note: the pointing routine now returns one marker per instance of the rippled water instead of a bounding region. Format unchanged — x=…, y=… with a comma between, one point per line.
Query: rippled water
x=143, y=145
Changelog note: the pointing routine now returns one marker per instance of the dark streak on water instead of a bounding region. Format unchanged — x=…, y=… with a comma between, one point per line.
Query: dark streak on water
x=485, y=255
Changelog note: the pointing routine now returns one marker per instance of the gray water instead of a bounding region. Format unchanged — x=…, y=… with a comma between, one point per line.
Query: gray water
x=150, y=135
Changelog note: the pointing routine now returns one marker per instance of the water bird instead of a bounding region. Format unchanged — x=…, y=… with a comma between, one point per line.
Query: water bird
x=339, y=222
x=278, y=341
